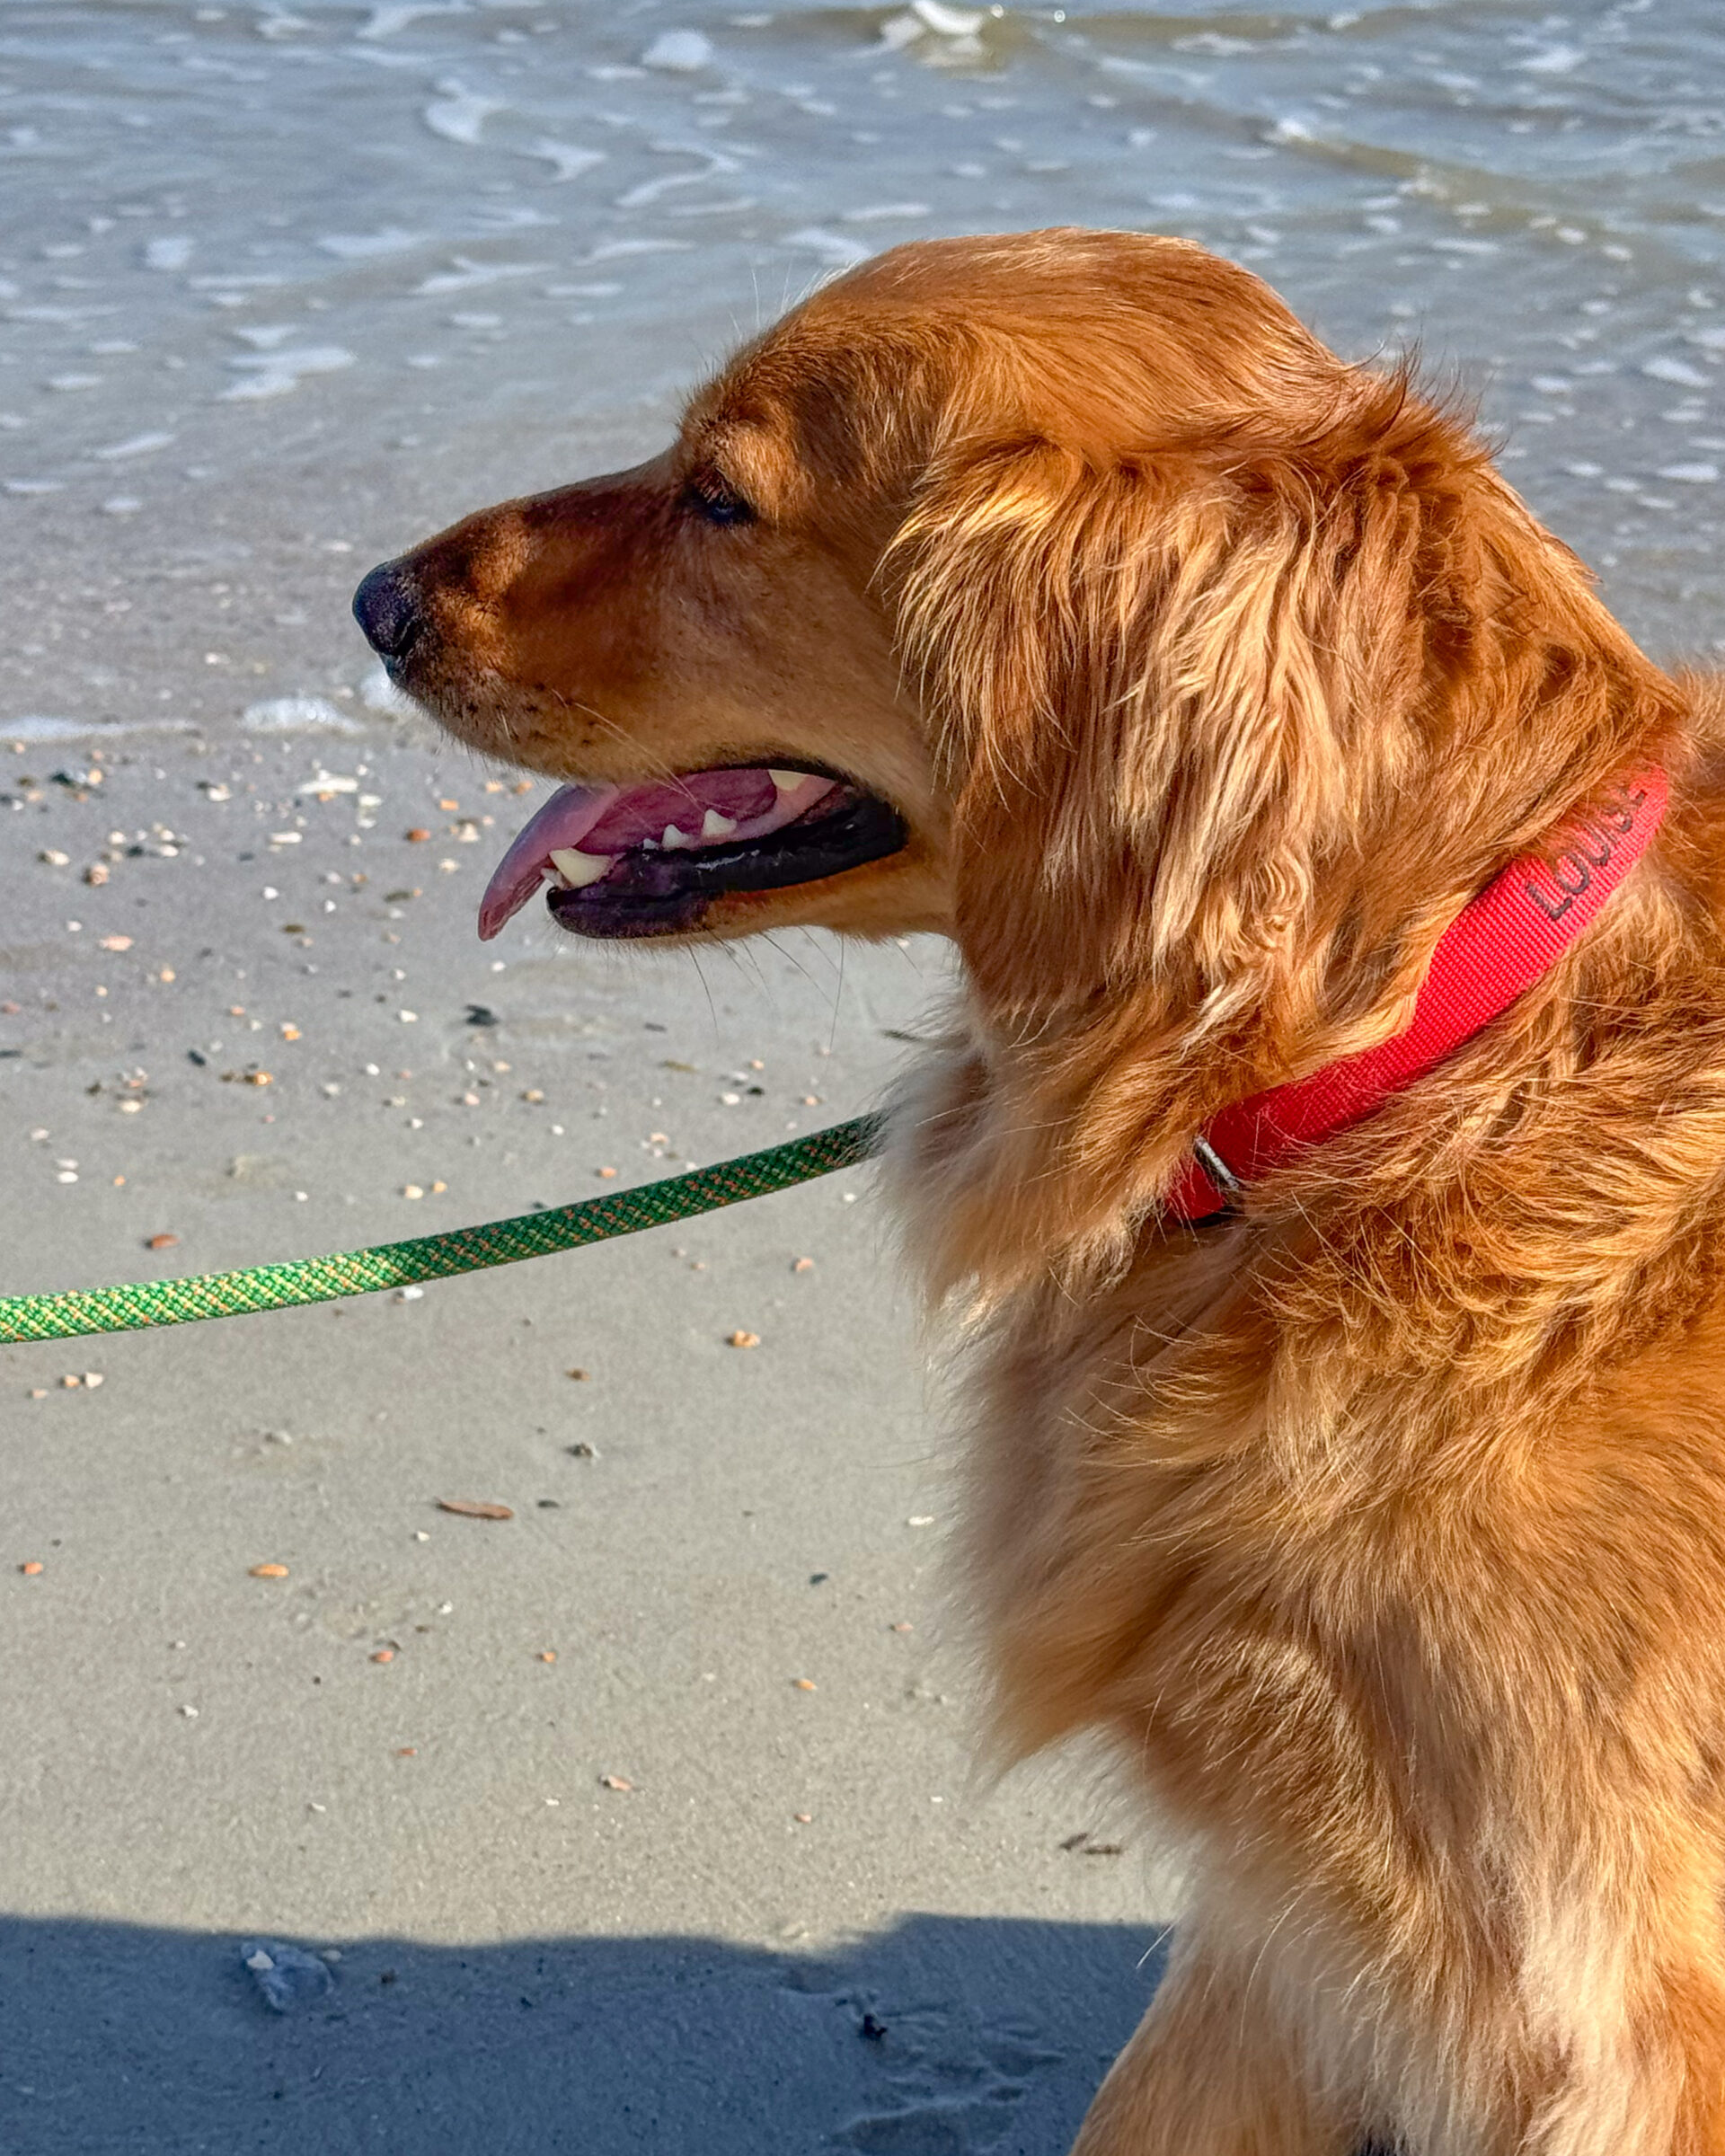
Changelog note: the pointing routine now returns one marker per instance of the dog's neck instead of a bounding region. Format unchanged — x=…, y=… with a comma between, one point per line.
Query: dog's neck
x=1047, y=1151
x=1502, y=942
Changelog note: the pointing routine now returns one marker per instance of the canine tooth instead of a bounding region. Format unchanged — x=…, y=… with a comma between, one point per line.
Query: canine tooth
x=672, y=839
x=787, y=781
x=714, y=825
x=577, y=868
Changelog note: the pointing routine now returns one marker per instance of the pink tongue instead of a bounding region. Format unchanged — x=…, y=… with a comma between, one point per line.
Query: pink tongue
x=564, y=820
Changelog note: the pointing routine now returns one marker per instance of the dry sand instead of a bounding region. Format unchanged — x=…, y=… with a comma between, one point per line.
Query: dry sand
x=804, y=1924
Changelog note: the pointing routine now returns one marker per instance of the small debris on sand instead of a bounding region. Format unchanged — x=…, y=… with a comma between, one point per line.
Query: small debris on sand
x=474, y=1508
x=1081, y=1845
x=160, y=1242
x=616, y=1781
x=286, y=1976
x=742, y=1339
x=31, y=1568
x=269, y=1572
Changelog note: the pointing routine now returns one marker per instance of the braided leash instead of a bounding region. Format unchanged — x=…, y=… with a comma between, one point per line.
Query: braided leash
x=141, y=1304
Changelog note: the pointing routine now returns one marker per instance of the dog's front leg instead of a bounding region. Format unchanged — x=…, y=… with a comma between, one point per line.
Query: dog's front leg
x=1205, y=2073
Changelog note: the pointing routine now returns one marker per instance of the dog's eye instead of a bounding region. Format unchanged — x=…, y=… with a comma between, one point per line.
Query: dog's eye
x=715, y=502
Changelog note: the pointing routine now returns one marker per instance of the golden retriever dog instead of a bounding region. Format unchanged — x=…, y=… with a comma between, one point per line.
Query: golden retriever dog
x=1360, y=1476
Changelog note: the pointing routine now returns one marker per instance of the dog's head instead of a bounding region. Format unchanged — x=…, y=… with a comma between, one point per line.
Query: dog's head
x=1060, y=591
x=933, y=575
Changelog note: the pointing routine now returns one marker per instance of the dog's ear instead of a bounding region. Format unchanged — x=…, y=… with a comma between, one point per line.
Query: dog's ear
x=1161, y=692
x=1166, y=694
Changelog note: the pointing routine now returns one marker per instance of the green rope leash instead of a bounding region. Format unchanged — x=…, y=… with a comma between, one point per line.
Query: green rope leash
x=144, y=1302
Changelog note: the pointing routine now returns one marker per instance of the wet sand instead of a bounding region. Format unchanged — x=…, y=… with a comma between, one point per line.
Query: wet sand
x=663, y=1889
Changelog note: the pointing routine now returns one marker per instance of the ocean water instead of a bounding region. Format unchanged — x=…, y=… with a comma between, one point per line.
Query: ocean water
x=284, y=287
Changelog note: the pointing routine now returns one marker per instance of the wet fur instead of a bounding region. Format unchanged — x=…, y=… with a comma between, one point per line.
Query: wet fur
x=1383, y=1528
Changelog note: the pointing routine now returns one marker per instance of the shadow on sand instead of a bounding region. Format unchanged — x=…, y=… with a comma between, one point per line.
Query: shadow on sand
x=940, y=2037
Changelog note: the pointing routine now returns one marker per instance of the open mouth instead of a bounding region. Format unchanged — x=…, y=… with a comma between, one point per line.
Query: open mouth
x=646, y=859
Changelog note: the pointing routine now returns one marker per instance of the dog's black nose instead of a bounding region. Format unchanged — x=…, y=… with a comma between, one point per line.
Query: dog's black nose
x=386, y=607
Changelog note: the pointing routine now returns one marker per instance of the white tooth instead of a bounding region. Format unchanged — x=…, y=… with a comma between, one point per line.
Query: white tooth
x=673, y=838
x=577, y=870
x=714, y=825
x=787, y=781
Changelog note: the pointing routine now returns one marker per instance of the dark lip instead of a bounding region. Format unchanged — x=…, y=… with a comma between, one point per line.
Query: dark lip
x=666, y=894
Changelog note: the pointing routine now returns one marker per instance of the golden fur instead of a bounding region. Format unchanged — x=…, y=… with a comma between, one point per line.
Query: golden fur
x=1383, y=1526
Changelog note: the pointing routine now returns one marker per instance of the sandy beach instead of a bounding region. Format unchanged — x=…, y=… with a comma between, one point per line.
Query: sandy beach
x=646, y=1815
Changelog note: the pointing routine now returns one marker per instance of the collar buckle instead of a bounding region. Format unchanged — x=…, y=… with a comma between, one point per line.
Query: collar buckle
x=1211, y=1162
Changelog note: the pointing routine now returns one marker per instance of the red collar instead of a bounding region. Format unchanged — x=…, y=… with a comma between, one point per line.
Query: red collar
x=1497, y=947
